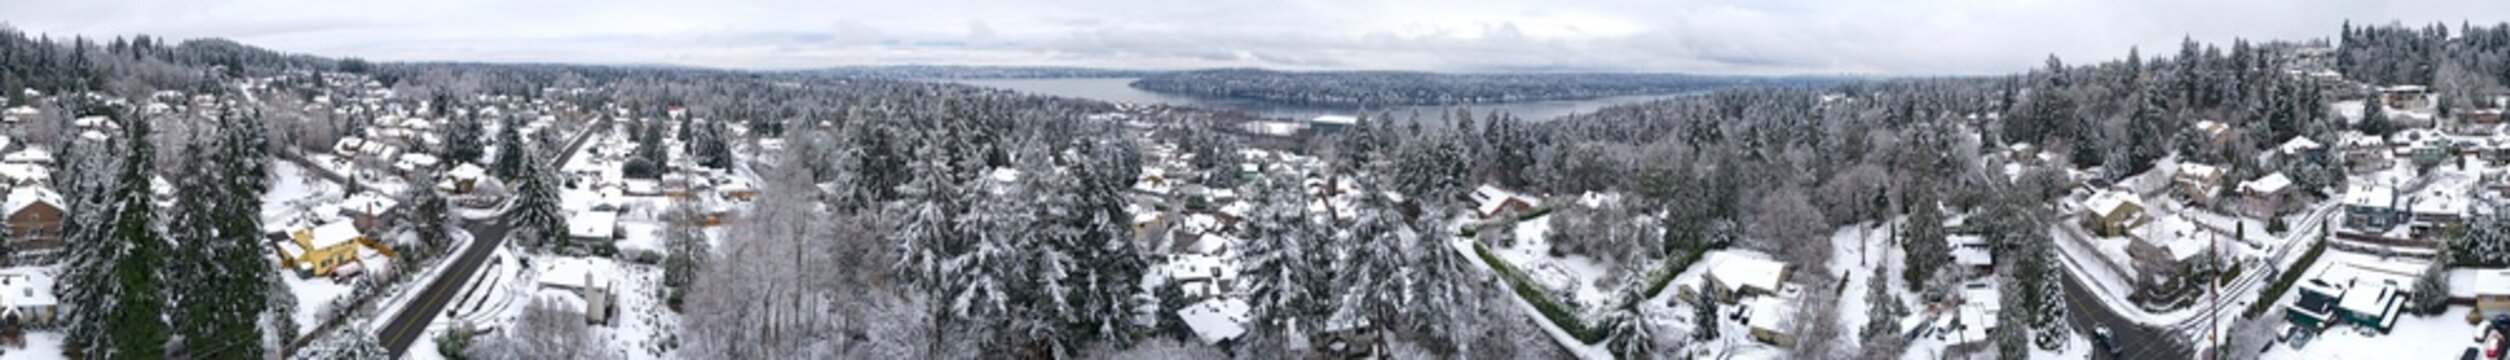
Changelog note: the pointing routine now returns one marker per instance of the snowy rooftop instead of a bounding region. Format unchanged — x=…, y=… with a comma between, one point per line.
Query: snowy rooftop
x=2271, y=183
x=1737, y=270
x=1972, y=256
x=2199, y=170
x=1216, y=319
x=2370, y=196
x=1490, y=198
x=369, y=203
x=2298, y=144
x=1771, y=313
x=2377, y=299
x=2109, y=201
x=333, y=234
x=31, y=155
x=21, y=197
x=23, y=172
x=573, y=273
x=593, y=224
x=467, y=171
x=2492, y=282
x=28, y=288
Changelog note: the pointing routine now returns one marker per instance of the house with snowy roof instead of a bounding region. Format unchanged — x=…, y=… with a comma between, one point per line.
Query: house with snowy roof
x=371, y=209
x=32, y=154
x=2492, y=291
x=1729, y=276
x=34, y=221
x=2264, y=197
x=2113, y=212
x=1491, y=201
x=323, y=250
x=2198, y=182
x=2372, y=208
x=464, y=178
x=26, y=299
x=584, y=277
x=1771, y=320
x=593, y=225
x=1972, y=254
x=1216, y=320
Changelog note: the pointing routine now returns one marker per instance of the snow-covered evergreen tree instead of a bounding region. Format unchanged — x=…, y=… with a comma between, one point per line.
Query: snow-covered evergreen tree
x=512, y=152
x=1283, y=242
x=1371, y=278
x=464, y=139
x=536, y=213
x=135, y=326
x=1625, y=327
x=684, y=239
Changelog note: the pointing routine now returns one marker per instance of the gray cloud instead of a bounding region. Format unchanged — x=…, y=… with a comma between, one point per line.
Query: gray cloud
x=1719, y=36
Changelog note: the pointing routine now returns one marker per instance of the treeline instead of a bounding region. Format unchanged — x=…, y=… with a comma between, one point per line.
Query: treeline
x=1404, y=88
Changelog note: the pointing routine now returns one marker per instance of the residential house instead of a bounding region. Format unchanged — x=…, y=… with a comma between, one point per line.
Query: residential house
x=2405, y=97
x=1732, y=276
x=1491, y=201
x=578, y=275
x=26, y=300
x=593, y=225
x=2264, y=197
x=1772, y=320
x=2492, y=291
x=2113, y=212
x=464, y=178
x=2198, y=182
x=322, y=249
x=2372, y=208
x=2214, y=131
x=371, y=209
x=2303, y=148
x=2373, y=306
x=1216, y=320
x=2364, y=152
x=1972, y=254
x=34, y=222
x=2316, y=306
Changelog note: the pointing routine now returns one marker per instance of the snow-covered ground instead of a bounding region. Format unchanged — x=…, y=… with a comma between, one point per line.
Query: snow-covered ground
x=40, y=345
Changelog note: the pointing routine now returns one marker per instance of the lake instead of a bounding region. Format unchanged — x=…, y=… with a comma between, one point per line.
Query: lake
x=1119, y=90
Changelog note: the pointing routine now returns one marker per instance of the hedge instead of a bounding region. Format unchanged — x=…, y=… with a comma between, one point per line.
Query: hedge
x=2284, y=282
x=1552, y=309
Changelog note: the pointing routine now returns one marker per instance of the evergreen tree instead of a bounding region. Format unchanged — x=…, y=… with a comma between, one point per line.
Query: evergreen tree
x=684, y=237
x=1370, y=276
x=1626, y=331
x=1282, y=243
x=1923, y=241
x=536, y=210
x=511, y=152
x=429, y=216
x=135, y=326
x=464, y=141
x=1109, y=298
x=1704, y=316
x=2374, y=120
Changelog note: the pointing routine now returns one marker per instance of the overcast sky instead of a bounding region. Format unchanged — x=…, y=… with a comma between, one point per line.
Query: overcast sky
x=1898, y=37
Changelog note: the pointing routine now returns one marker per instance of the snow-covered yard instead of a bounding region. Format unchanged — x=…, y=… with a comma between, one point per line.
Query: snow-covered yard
x=2415, y=337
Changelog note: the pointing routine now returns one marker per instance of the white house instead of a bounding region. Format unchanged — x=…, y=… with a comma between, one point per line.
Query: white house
x=593, y=225
x=582, y=276
x=1216, y=320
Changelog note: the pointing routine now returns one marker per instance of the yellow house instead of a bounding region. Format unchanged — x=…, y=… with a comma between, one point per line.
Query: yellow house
x=321, y=249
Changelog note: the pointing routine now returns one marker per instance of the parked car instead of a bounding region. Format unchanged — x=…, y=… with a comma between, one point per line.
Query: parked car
x=2108, y=343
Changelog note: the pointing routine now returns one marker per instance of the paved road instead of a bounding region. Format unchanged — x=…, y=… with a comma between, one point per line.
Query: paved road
x=486, y=237
x=2135, y=340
